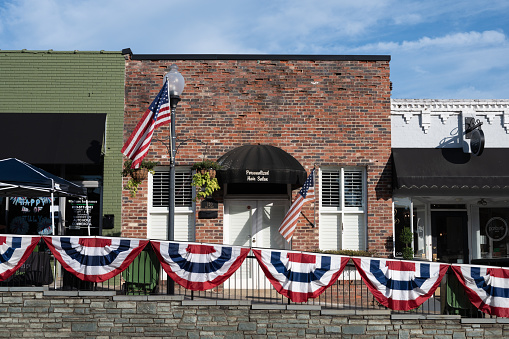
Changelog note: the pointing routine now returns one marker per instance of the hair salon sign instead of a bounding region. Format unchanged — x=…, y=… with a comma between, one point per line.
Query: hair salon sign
x=257, y=176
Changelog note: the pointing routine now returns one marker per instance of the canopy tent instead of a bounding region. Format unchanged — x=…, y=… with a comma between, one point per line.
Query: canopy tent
x=20, y=179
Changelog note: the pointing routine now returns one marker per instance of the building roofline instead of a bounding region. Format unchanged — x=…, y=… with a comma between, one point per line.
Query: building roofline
x=256, y=57
x=50, y=51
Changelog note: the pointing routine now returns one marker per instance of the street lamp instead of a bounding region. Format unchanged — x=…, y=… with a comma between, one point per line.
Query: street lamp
x=176, y=84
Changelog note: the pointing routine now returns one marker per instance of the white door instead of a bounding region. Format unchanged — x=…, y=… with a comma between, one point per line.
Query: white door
x=253, y=223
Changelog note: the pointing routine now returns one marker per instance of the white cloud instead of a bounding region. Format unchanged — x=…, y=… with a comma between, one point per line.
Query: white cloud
x=449, y=41
x=437, y=47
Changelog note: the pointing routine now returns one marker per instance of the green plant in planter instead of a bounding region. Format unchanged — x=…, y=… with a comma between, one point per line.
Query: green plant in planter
x=137, y=175
x=206, y=165
x=407, y=237
x=205, y=178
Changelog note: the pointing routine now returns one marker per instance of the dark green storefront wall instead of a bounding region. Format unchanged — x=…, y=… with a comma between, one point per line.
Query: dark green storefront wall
x=72, y=82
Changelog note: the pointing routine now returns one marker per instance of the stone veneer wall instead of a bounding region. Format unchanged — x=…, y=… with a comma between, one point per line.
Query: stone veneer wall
x=35, y=312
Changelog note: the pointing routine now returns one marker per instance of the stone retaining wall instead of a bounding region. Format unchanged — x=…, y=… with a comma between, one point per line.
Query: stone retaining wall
x=37, y=313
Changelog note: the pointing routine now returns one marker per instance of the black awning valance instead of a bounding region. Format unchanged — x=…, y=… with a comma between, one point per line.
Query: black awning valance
x=52, y=138
x=260, y=164
x=450, y=169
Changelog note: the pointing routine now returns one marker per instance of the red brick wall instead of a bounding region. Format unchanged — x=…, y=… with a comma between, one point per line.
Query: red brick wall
x=323, y=112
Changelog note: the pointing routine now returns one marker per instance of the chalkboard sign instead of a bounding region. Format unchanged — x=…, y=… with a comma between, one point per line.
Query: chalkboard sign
x=77, y=220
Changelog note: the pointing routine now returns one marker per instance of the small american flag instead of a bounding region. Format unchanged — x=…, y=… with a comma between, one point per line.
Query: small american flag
x=157, y=114
x=306, y=193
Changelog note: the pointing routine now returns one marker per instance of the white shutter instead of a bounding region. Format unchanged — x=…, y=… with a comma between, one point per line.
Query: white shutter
x=184, y=227
x=354, y=232
x=272, y=217
x=239, y=229
x=158, y=205
x=330, y=231
x=353, y=188
x=158, y=226
x=331, y=188
x=183, y=188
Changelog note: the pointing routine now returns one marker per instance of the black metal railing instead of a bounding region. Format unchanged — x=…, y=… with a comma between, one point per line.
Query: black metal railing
x=145, y=277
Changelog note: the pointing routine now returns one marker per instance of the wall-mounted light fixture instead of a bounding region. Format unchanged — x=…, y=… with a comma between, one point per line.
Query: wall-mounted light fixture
x=482, y=202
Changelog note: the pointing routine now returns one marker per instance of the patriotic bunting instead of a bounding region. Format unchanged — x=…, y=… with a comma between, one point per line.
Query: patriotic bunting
x=486, y=287
x=14, y=251
x=400, y=285
x=95, y=259
x=199, y=267
x=300, y=276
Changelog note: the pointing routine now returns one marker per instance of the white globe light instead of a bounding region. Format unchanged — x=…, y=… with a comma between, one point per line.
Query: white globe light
x=175, y=80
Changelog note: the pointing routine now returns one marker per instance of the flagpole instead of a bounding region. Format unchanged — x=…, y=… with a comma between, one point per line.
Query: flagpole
x=171, y=203
x=175, y=83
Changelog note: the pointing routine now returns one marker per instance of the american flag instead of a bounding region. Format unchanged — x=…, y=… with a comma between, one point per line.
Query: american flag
x=306, y=193
x=157, y=114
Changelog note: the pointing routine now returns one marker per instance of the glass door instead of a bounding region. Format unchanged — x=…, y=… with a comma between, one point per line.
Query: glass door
x=449, y=231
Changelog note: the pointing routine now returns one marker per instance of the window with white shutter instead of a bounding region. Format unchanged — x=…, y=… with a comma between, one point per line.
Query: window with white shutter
x=159, y=200
x=183, y=189
x=342, y=208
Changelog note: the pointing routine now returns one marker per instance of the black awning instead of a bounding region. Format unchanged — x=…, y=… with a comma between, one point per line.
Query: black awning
x=261, y=164
x=439, y=169
x=52, y=138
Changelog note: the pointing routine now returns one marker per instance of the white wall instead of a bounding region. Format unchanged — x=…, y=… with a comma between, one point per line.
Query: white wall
x=440, y=123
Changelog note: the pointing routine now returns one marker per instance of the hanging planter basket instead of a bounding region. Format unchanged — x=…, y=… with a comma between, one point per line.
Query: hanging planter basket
x=140, y=174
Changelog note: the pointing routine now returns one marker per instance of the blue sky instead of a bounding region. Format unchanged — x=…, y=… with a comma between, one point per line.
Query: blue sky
x=440, y=49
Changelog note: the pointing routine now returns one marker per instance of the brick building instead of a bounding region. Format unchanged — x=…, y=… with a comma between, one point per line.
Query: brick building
x=328, y=112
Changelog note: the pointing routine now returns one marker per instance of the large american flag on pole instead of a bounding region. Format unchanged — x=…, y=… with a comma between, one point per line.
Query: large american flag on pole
x=157, y=114
x=306, y=193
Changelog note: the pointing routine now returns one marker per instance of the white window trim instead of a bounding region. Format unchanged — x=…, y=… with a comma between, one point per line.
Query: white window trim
x=342, y=210
x=179, y=209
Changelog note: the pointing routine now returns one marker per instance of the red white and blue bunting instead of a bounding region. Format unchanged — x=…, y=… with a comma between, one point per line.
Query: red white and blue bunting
x=95, y=259
x=14, y=251
x=300, y=276
x=400, y=285
x=486, y=287
x=199, y=267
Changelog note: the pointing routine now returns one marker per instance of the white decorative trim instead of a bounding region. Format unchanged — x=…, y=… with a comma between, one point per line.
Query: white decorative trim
x=407, y=116
x=425, y=120
x=444, y=116
x=491, y=109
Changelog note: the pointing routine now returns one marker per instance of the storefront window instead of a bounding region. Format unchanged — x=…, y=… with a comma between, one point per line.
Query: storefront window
x=419, y=228
x=402, y=220
x=494, y=240
x=412, y=216
x=28, y=215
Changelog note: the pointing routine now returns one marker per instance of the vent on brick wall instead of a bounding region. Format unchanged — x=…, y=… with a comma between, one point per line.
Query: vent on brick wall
x=183, y=189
